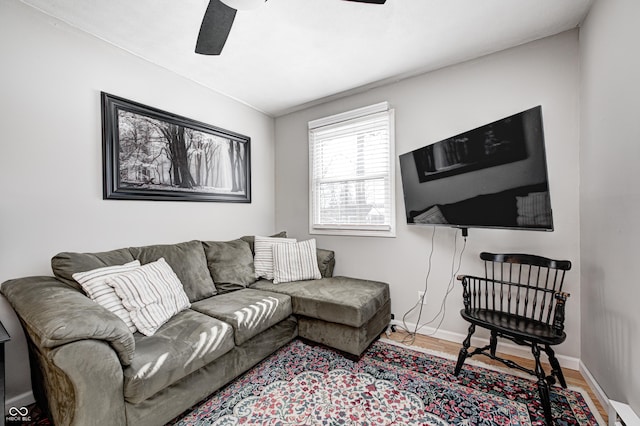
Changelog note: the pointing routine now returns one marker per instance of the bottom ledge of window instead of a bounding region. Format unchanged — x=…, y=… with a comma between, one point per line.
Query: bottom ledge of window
x=387, y=233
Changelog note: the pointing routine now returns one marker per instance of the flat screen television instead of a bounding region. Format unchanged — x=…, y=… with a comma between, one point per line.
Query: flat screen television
x=494, y=176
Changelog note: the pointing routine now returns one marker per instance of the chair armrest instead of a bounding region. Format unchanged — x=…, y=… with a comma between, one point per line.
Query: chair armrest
x=558, y=316
x=466, y=294
x=55, y=314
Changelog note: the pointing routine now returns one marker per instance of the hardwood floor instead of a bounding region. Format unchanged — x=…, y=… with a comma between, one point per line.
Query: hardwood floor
x=573, y=377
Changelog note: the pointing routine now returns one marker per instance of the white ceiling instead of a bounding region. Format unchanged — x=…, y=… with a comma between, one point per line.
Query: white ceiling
x=292, y=53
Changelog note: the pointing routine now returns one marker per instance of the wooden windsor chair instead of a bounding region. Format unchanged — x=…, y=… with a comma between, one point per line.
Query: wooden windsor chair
x=520, y=298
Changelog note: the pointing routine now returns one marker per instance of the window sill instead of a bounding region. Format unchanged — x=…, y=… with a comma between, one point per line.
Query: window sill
x=354, y=232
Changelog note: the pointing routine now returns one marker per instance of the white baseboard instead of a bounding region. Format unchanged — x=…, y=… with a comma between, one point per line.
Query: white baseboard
x=620, y=411
x=19, y=401
x=613, y=408
x=591, y=381
x=506, y=348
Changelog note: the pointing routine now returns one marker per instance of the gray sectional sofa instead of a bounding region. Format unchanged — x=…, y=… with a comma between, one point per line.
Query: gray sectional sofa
x=90, y=369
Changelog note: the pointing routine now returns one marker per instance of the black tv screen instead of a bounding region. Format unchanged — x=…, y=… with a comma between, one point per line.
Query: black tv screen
x=494, y=176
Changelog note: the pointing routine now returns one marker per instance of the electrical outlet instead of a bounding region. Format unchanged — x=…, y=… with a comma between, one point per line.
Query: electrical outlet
x=421, y=297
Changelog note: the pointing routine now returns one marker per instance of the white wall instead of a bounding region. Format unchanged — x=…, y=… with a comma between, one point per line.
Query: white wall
x=432, y=107
x=610, y=197
x=51, y=163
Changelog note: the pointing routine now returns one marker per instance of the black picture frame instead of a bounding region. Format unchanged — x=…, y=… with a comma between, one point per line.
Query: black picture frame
x=150, y=154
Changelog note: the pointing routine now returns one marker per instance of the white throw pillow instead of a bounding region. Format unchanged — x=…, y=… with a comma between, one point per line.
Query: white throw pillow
x=263, y=257
x=295, y=262
x=94, y=284
x=152, y=294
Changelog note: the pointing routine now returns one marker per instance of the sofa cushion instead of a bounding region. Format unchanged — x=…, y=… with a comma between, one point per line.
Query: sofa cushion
x=65, y=264
x=295, y=262
x=94, y=284
x=183, y=345
x=341, y=300
x=230, y=264
x=326, y=258
x=263, y=257
x=353, y=340
x=188, y=262
x=250, y=312
x=151, y=293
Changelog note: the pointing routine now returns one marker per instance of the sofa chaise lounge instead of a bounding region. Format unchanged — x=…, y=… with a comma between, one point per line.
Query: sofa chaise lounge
x=90, y=368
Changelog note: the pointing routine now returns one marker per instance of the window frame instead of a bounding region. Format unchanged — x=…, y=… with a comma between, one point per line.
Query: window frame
x=345, y=229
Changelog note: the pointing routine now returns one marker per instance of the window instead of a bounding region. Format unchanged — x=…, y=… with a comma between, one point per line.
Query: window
x=352, y=173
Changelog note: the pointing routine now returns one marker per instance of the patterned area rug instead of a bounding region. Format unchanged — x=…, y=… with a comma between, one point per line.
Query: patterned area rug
x=302, y=384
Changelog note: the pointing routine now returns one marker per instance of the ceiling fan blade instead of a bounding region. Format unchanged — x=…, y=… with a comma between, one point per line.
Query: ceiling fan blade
x=370, y=1
x=215, y=28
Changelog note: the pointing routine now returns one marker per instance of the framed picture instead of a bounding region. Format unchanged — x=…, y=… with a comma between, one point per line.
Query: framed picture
x=150, y=154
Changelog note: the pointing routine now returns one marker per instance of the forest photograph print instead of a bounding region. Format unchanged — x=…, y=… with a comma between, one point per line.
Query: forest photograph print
x=150, y=154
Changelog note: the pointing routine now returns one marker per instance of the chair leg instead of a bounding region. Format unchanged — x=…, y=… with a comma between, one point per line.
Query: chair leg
x=555, y=366
x=493, y=343
x=464, y=350
x=543, y=387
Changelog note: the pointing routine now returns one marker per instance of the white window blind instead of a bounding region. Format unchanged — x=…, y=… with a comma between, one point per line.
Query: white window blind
x=352, y=173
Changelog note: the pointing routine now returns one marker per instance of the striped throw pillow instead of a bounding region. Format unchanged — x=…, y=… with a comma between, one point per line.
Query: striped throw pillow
x=295, y=262
x=94, y=284
x=152, y=294
x=263, y=257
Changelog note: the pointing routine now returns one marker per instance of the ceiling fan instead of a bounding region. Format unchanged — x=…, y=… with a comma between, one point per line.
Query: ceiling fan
x=219, y=17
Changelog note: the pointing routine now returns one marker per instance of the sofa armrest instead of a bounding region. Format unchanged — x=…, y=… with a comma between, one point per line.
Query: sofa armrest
x=326, y=262
x=84, y=382
x=55, y=314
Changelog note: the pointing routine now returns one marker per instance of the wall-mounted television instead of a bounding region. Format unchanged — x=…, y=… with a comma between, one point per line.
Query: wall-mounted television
x=494, y=176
